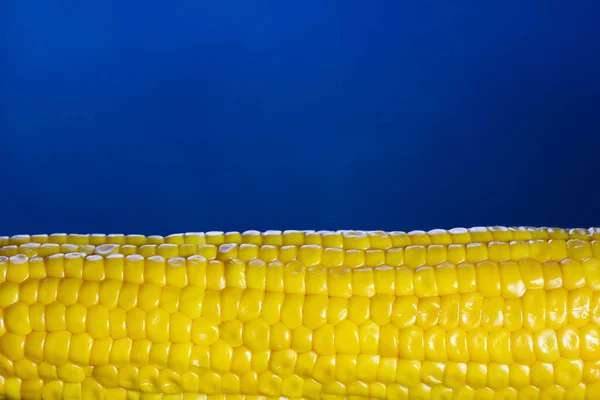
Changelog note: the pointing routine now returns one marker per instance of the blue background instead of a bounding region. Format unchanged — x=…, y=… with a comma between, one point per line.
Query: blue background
x=211, y=115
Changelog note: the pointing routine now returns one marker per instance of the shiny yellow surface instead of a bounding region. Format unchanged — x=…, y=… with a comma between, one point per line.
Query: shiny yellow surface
x=481, y=313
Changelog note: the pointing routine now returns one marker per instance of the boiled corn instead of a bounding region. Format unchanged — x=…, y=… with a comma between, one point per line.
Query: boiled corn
x=481, y=313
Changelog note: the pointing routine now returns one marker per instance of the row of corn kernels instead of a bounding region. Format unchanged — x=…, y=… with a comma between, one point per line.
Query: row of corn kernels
x=342, y=238
x=412, y=256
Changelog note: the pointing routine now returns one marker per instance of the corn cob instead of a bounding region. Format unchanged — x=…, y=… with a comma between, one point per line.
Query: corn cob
x=484, y=313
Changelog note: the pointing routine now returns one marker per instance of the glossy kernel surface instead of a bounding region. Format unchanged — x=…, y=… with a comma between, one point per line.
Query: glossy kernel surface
x=486, y=312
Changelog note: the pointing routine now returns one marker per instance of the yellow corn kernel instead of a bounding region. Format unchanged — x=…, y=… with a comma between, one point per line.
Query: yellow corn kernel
x=114, y=265
x=374, y=258
x=381, y=308
x=363, y=282
x=16, y=319
x=415, y=256
x=310, y=254
x=339, y=282
x=511, y=282
x=466, y=276
x=120, y=352
x=291, y=310
x=176, y=272
x=315, y=312
x=480, y=234
x=208, y=251
x=482, y=313
x=407, y=343
x=81, y=348
x=425, y=282
x=446, y=278
x=435, y=344
x=34, y=346
x=9, y=251
x=272, y=237
x=449, y=311
x=488, y=279
x=477, y=342
x=471, y=309
x=354, y=258
x=394, y=257
x=294, y=278
x=316, y=280
x=17, y=270
x=492, y=317
x=55, y=345
x=128, y=296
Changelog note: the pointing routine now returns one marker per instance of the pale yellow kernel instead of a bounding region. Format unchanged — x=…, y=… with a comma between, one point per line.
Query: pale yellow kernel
x=476, y=252
x=127, y=250
x=440, y=237
x=333, y=240
x=379, y=240
x=17, y=269
x=460, y=235
x=272, y=238
x=9, y=251
x=355, y=240
x=147, y=250
x=501, y=233
x=155, y=239
x=167, y=250
x=29, y=249
x=520, y=233
x=114, y=267
x=116, y=238
x=48, y=249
